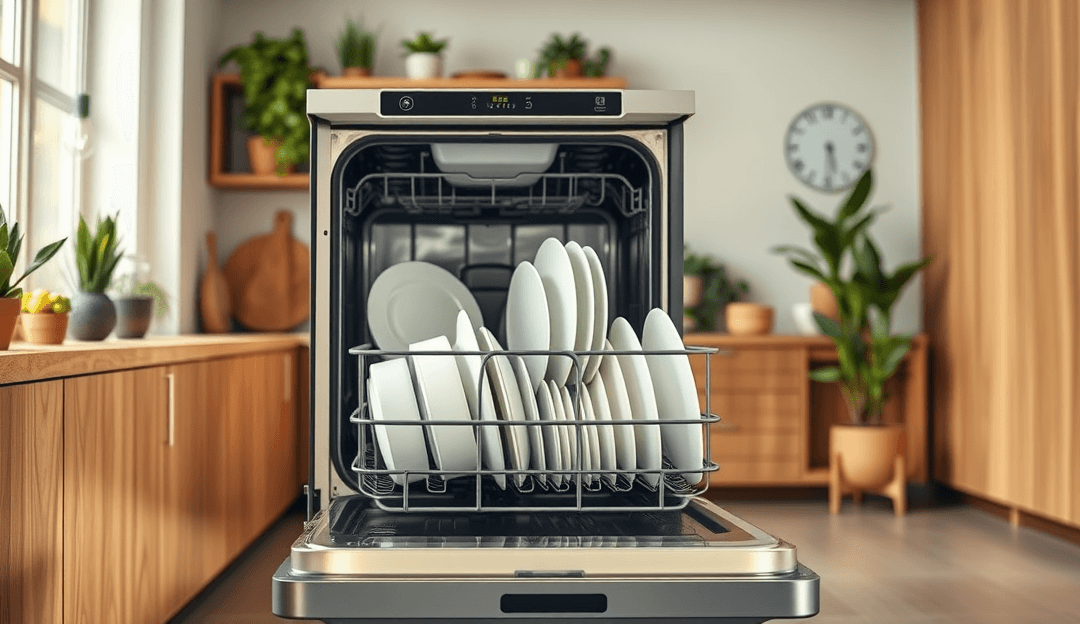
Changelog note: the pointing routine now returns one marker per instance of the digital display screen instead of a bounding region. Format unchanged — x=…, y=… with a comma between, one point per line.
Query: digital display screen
x=516, y=103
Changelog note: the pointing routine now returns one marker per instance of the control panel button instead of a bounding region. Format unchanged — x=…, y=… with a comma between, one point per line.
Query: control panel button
x=406, y=103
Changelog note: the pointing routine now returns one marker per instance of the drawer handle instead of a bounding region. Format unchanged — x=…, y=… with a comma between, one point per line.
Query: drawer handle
x=170, y=381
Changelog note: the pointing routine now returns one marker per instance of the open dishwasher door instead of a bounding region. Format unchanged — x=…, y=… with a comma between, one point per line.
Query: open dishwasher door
x=475, y=182
x=356, y=563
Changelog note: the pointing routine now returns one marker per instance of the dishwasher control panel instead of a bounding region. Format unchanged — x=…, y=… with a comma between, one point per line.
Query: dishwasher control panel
x=501, y=103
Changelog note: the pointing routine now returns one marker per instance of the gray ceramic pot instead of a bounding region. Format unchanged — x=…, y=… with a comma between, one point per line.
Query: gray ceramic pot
x=93, y=316
x=133, y=315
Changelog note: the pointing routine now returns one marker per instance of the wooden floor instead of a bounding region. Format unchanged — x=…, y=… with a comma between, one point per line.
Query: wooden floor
x=942, y=565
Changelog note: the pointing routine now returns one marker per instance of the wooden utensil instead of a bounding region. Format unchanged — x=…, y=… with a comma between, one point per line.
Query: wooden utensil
x=214, y=292
x=268, y=279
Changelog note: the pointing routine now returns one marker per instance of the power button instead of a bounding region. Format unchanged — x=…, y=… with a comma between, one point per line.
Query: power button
x=406, y=103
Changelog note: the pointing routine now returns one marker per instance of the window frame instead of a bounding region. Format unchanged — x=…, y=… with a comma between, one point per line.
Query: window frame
x=28, y=88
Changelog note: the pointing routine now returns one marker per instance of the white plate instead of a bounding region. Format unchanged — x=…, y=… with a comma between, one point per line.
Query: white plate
x=605, y=433
x=583, y=292
x=639, y=388
x=528, y=325
x=675, y=388
x=600, y=312
x=442, y=397
x=414, y=301
x=568, y=454
x=532, y=412
x=508, y=402
x=591, y=436
x=553, y=439
x=576, y=440
x=553, y=264
x=472, y=377
x=391, y=397
x=619, y=406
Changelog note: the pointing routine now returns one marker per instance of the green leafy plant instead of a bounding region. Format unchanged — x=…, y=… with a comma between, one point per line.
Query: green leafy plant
x=865, y=293
x=10, y=244
x=558, y=51
x=128, y=286
x=716, y=289
x=96, y=254
x=275, y=76
x=356, y=46
x=424, y=43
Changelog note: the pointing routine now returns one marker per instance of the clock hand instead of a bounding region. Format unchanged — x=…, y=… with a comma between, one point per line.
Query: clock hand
x=831, y=156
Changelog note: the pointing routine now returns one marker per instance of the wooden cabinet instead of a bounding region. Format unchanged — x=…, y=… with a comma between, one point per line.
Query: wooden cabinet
x=774, y=422
x=116, y=429
x=1000, y=156
x=31, y=492
x=169, y=473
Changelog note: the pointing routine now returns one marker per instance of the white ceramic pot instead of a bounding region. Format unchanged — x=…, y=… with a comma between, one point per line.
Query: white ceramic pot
x=421, y=65
x=803, y=313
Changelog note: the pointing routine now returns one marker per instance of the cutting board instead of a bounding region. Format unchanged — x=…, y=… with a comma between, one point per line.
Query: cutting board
x=214, y=304
x=268, y=279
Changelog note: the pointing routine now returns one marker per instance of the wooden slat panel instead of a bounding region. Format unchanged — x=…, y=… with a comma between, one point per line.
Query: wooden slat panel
x=1000, y=89
x=751, y=472
x=758, y=411
x=755, y=446
x=31, y=492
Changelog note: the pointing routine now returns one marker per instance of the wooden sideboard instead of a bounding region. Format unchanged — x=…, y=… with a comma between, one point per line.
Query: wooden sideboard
x=774, y=427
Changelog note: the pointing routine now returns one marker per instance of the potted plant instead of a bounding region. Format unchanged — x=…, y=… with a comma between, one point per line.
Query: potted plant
x=356, y=49
x=566, y=58
x=44, y=317
x=275, y=76
x=96, y=254
x=865, y=453
x=138, y=300
x=10, y=292
x=706, y=291
x=423, y=58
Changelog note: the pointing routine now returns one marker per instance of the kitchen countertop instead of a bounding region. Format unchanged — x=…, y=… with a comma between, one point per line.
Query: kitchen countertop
x=25, y=362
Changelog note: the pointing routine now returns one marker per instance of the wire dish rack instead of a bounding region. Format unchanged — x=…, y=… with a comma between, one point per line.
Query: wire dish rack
x=583, y=488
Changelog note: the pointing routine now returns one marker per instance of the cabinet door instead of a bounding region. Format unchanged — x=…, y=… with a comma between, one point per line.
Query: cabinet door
x=31, y=491
x=115, y=440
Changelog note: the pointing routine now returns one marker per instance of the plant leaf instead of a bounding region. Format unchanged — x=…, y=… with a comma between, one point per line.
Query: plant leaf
x=44, y=255
x=812, y=271
x=827, y=374
x=6, y=268
x=828, y=326
x=857, y=199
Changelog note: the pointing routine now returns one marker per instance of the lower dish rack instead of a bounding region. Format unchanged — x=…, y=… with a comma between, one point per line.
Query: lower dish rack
x=582, y=487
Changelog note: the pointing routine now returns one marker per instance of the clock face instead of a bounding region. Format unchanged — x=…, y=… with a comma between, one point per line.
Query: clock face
x=828, y=147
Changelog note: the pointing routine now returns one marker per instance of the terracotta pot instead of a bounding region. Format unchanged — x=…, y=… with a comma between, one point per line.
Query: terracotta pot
x=748, y=319
x=688, y=324
x=691, y=290
x=45, y=328
x=261, y=156
x=823, y=301
x=356, y=72
x=9, y=313
x=571, y=69
x=867, y=453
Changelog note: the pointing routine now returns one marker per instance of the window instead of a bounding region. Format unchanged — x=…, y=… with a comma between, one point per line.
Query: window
x=42, y=48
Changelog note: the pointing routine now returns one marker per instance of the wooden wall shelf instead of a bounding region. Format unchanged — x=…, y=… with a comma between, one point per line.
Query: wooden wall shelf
x=323, y=81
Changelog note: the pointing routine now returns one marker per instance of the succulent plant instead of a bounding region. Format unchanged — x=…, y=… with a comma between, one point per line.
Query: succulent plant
x=356, y=46
x=10, y=245
x=424, y=43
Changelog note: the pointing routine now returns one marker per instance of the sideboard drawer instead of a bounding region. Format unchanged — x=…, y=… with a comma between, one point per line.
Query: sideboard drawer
x=757, y=411
x=753, y=472
x=754, y=369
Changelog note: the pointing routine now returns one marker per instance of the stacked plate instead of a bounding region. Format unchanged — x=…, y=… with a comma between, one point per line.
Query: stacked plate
x=557, y=314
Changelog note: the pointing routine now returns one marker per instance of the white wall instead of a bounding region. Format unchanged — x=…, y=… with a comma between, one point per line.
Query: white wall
x=753, y=63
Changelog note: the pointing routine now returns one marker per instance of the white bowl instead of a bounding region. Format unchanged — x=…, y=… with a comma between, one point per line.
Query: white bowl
x=442, y=397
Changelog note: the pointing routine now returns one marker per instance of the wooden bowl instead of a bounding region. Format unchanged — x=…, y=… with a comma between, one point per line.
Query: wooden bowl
x=748, y=319
x=44, y=328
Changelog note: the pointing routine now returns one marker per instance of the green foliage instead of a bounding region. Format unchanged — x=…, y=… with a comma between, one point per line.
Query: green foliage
x=424, y=43
x=10, y=244
x=557, y=51
x=356, y=46
x=865, y=295
x=96, y=254
x=275, y=76
x=716, y=289
x=128, y=286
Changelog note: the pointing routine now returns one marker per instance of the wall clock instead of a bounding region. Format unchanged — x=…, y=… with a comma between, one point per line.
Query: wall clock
x=828, y=147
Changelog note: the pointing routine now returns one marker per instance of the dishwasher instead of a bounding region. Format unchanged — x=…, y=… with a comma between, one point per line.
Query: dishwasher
x=603, y=168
